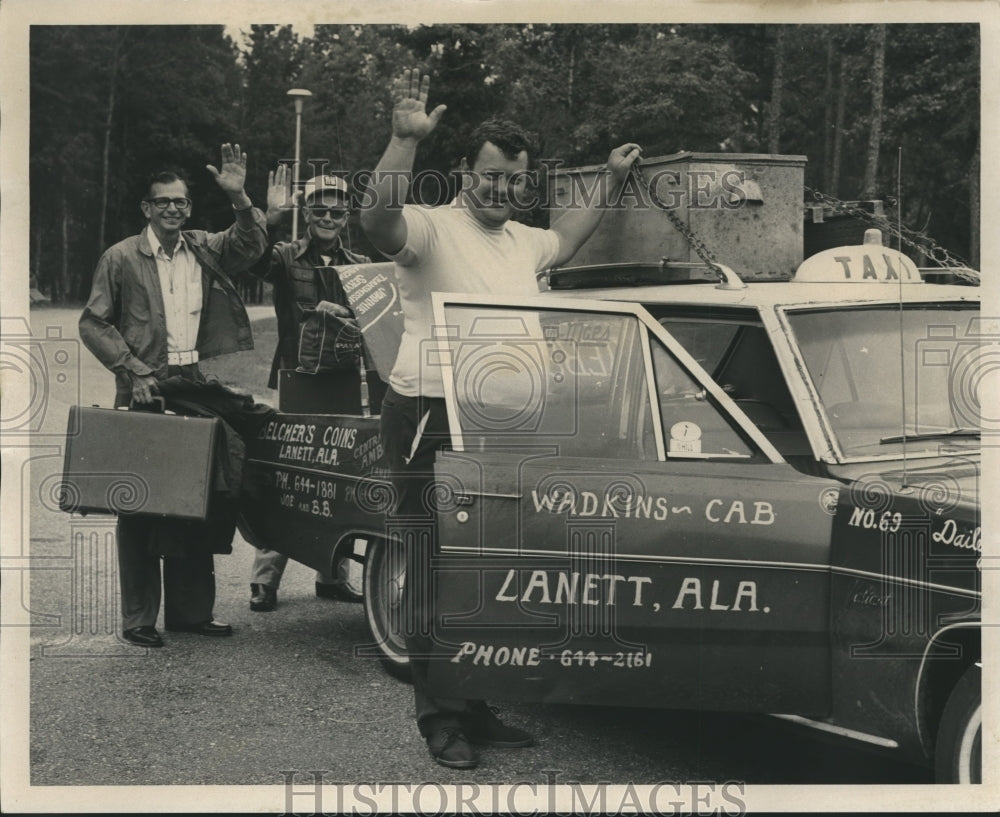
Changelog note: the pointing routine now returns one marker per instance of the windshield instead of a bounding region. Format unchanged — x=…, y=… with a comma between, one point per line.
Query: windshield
x=880, y=375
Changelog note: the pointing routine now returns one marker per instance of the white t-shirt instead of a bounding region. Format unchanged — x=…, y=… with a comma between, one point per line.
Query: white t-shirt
x=448, y=250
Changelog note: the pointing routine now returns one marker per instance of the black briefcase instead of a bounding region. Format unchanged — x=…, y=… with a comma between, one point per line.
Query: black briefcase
x=126, y=462
x=330, y=392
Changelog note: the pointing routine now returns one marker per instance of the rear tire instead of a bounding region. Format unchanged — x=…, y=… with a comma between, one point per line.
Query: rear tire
x=384, y=580
x=958, y=753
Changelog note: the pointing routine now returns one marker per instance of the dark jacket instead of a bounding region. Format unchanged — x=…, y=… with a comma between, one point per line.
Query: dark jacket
x=124, y=323
x=300, y=281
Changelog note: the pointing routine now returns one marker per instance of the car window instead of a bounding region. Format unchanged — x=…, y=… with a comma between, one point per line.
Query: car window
x=706, y=341
x=737, y=352
x=566, y=380
x=693, y=426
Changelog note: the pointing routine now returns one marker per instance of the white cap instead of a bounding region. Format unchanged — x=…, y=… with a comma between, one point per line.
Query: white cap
x=322, y=184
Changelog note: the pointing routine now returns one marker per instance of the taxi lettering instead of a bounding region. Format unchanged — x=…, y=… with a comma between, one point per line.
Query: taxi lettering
x=866, y=263
x=487, y=654
x=689, y=597
x=736, y=513
x=608, y=505
x=618, y=506
x=888, y=521
x=562, y=587
x=870, y=267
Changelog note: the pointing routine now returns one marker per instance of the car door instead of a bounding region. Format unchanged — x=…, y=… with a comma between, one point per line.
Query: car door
x=612, y=528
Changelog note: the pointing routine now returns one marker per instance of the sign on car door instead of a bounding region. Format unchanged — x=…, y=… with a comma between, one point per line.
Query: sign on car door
x=612, y=527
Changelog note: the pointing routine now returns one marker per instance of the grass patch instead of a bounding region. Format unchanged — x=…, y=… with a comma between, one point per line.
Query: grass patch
x=249, y=370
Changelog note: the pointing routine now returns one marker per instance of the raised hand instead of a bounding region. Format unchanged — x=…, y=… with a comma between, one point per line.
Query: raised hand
x=410, y=119
x=279, y=198
x=621, y=159
x=278, y=181
x=232, y=177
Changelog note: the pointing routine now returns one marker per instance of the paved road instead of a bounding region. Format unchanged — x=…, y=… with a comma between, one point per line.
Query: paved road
x=287, y=692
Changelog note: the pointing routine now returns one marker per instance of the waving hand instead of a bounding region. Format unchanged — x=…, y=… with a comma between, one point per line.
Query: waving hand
x=410, y=119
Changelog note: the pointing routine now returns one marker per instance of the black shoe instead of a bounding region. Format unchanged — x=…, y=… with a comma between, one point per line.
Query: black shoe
x=449, y=747
x=216, y=628
x=484, y=728
x=263, y=599
x=143, y=636
x=326, y=591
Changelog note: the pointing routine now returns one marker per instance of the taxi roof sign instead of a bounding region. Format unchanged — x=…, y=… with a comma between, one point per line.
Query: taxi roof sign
x=869, y=263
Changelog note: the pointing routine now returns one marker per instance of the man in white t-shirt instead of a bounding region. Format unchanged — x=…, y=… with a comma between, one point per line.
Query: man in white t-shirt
x=470, y=245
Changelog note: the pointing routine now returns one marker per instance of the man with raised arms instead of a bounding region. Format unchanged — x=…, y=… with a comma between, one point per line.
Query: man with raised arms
x=469, y=245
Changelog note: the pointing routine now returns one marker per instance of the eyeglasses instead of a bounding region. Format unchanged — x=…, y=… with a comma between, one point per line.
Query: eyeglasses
x=162, y=203
x=318, y=211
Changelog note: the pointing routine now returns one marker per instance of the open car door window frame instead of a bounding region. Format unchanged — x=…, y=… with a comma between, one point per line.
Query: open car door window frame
x=441, y=300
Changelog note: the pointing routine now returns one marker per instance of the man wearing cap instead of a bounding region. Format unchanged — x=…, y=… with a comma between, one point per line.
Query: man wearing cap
x=160, y=301
x=304, y=276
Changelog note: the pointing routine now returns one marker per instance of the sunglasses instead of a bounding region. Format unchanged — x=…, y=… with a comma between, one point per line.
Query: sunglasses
x=162, y=203
x=318, y=211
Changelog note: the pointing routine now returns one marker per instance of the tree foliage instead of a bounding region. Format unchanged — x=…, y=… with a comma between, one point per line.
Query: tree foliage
x=111, y=103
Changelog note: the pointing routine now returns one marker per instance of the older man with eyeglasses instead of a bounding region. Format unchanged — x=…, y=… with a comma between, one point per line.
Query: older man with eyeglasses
x=160, y=301
x=304, y=276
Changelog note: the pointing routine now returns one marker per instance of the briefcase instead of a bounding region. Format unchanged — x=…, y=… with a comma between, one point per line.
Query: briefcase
x=332, y=392
x=127, y=462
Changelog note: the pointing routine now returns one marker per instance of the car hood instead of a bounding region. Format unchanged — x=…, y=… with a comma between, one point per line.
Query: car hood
x=952, y=481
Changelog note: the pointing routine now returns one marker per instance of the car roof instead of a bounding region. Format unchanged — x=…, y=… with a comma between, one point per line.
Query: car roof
x=762, y=295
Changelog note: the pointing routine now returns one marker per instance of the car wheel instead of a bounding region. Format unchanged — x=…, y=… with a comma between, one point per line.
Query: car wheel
x=384, y=580
x=348, y=568
x=958, y=754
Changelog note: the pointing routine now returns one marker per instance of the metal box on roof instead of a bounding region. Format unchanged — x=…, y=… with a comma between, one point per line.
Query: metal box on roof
x=825, y=227
x=746, y=209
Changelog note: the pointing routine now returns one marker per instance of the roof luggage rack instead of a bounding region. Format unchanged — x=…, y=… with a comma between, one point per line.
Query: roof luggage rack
x=641, y=273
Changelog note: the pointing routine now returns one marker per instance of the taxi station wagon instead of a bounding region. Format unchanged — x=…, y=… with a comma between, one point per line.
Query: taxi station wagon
x=670, y=487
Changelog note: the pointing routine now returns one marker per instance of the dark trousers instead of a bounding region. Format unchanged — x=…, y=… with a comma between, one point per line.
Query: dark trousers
x=188, y=580
x=412, y=430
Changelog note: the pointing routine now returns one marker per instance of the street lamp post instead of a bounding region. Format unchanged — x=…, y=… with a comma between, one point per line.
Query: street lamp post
x=298, y=95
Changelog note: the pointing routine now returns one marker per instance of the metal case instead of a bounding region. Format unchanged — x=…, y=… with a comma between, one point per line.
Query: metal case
x=746, y=208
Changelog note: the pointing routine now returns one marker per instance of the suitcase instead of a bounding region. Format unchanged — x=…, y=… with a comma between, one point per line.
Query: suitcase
x=126, y=462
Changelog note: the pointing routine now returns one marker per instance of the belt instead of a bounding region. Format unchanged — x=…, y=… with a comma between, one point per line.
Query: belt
x=182, y=358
